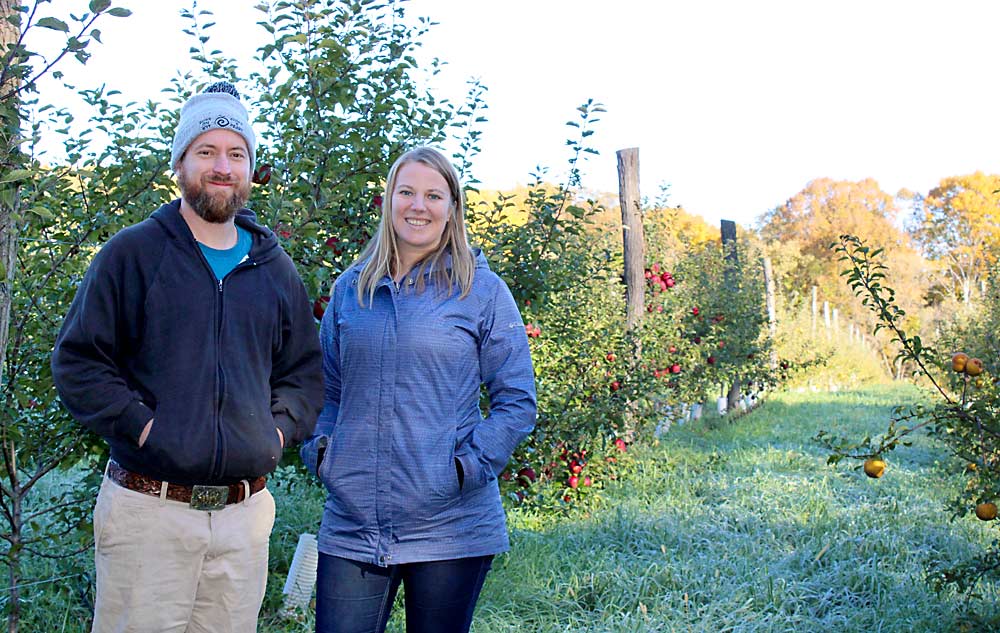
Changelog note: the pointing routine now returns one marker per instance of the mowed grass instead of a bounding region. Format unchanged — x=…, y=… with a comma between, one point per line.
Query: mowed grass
x=745, y=528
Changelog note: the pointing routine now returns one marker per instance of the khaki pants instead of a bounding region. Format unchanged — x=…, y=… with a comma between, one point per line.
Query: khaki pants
x=164, y=567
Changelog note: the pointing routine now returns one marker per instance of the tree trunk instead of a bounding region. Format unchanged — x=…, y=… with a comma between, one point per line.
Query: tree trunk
x=9, y=159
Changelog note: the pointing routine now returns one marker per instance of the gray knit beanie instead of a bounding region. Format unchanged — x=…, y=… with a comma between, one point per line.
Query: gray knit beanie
x=218, y=107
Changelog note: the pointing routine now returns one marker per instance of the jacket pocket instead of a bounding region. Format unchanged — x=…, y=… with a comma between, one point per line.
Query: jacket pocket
x=442, y=478
x=313, y=452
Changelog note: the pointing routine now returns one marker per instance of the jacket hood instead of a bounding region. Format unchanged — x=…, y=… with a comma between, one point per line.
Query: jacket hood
x=265, y=242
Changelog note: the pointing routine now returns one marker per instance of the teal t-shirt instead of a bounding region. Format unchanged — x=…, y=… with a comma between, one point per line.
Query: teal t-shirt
x=223, y=261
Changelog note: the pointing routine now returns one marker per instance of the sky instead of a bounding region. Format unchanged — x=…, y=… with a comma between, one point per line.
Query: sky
x=734, y=105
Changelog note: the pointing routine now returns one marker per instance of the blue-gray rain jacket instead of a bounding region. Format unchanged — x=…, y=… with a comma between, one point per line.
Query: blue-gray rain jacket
x=402, y=381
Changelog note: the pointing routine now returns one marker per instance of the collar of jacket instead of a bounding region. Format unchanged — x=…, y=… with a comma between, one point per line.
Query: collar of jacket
x=265, y=242
x=445, y=262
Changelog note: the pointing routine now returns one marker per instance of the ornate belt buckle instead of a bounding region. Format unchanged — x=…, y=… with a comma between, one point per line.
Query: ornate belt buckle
x=209, y=498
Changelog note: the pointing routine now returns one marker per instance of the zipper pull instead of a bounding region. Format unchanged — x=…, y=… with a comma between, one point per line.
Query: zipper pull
x=220, y=285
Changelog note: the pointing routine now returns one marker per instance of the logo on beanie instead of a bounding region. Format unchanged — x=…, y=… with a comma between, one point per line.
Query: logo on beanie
x=220, y=121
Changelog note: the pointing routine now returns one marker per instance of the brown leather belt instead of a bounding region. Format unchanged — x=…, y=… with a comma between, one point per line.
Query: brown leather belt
x=198, y=497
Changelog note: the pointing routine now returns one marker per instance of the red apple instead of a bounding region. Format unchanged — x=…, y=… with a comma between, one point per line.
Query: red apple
x=615, y=386
x=573, y=481
x=261, y=175
x=319, y=306
x=334, y=244
x=526, y=476
x=587, y=482
x=675, y=369
x=711, y=360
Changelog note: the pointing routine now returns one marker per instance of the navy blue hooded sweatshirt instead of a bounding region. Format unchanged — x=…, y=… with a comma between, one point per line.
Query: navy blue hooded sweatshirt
x=152, y=334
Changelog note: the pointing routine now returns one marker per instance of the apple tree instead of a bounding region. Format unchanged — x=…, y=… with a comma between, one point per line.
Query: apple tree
x=52, y=219
x=338, y=101
x=961, y=411
x=564, y=272
x=706, y=318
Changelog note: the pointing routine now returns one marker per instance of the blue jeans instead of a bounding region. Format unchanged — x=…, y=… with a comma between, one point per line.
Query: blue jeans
x=440, y=596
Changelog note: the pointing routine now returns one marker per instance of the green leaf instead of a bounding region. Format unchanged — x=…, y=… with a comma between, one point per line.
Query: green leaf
x=96, y=6
x=73, y=44
x=16, y=175
x=119, y=12
x=41, y=212
x=53, y=23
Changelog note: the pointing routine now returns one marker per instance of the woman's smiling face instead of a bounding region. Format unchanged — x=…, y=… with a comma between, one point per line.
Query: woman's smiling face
x=421, y=206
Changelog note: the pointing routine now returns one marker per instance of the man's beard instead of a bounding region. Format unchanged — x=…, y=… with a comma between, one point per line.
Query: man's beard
x=214, y=208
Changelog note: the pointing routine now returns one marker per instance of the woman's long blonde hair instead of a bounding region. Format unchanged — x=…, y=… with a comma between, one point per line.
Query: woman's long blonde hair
x=382, y=252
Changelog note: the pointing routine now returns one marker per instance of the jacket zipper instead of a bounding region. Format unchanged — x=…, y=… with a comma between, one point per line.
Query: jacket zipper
x=217, y=466
x=220, y=399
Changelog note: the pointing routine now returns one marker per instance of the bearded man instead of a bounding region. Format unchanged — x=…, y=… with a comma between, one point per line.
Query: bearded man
x=191, y=348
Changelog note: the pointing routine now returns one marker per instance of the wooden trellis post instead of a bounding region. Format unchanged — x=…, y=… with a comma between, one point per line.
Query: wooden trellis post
x=728, y=231
x=814, y=310
x=772, y=319
x=632, y=235
x=634, y=245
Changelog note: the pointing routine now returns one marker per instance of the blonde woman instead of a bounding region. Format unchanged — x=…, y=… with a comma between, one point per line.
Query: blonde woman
x=414, y=329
